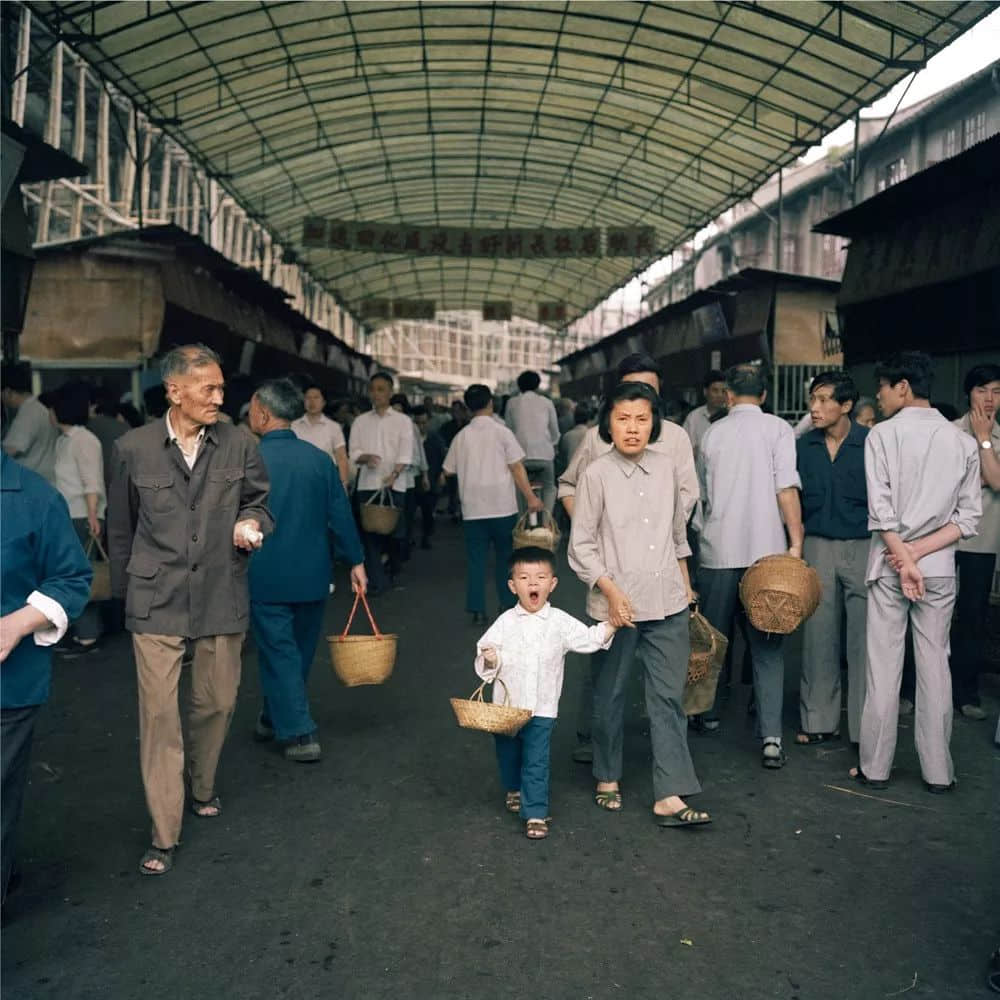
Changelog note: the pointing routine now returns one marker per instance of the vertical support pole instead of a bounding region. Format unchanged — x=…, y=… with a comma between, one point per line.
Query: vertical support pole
x=19, y=94
x=777, y=224
x=127, y=192
x=53, y=134
x=79, y=138
x=165, y=169
x=103, y=177
x=214, y=215
x=854, y=158
x=195, y=203
x=144, y=172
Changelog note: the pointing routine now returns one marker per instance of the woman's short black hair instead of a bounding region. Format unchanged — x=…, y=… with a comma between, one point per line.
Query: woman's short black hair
x=71, y=404
x=981, y=375
x=628, y=392
x=637, y=364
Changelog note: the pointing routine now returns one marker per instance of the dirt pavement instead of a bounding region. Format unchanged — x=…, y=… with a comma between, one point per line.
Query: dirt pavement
x=390, y=869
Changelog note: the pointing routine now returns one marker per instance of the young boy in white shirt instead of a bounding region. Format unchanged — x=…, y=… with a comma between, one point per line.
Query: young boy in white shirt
x=526, y=647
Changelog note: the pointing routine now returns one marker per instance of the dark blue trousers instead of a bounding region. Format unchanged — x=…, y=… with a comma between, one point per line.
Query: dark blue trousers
x=480, y=533
x=524, y=766
x=286, y=636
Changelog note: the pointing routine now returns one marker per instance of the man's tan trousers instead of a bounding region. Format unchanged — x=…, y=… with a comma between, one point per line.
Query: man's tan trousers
x=215, y=679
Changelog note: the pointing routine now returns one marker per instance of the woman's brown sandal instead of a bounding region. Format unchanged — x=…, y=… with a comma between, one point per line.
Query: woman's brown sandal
x=536, y=829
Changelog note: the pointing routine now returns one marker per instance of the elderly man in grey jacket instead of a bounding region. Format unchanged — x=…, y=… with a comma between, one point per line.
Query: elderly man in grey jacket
x=188, y=503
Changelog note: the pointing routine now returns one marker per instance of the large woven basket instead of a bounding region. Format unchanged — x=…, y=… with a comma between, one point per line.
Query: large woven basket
x=378, y=516
x=488, y=716
x=779, y=593
x=708, y=646
x=362, y=659
x=100, y=583
x=544, y=534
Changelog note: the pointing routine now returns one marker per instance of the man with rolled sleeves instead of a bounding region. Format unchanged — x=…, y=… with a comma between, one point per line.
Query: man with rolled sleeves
x=831, y=463
x=188, y=503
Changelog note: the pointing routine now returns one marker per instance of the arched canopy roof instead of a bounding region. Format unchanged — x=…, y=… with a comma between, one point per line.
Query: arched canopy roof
x=500, y=115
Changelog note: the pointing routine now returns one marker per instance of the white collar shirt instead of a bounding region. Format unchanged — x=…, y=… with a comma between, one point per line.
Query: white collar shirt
x=325, y=434
x=532, y=418
x=922, y=473
x=696, y=424
x=79, y=470
x=390, y=436
x=481, y=456
x=987, y=539
x=190, y=457
x=745, y=460
x=531, y=650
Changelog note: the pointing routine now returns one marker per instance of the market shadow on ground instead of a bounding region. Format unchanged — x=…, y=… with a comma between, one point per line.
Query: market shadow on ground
x=390, y=869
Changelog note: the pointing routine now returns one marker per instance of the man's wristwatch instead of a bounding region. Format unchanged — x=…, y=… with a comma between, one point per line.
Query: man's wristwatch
x=986, y=445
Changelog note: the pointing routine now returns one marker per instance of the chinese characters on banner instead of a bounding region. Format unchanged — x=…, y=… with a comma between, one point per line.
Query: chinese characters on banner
x=493, y=244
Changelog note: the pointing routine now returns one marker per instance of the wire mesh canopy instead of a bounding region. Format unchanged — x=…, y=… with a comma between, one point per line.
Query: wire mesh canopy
x=499, y=115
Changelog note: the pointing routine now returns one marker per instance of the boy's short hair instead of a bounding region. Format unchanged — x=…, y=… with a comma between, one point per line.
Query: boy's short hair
x=980, y=375
x=713, y=376
x=637, y=364
x=844, y=389
x=582, y=414
x=384, y=376
x=531, y=554
x=627, y=392
x=914, y=366
x=477, y=397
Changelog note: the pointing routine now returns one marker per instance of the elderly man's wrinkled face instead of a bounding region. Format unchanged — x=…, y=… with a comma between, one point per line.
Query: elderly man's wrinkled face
x=198, y=395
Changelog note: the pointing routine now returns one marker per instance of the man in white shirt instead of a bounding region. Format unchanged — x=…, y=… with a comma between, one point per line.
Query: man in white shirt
x=487, y=459
x=382, y=448
x=699, y=419
x=532, y=418
x=319, y=430
x=31, y=438
x=749, y=489
x=923, y=478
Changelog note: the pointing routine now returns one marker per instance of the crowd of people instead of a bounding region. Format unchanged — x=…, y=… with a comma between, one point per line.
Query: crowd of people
x=216, y=524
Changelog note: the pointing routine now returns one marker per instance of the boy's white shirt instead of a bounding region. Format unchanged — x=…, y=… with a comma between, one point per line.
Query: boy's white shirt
x=531, y=649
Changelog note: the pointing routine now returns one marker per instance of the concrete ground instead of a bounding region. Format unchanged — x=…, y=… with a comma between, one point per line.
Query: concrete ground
x=390, y=869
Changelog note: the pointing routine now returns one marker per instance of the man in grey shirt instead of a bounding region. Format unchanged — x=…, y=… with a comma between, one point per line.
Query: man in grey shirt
x=749, y=486
x=32, y=437
x=922, y=474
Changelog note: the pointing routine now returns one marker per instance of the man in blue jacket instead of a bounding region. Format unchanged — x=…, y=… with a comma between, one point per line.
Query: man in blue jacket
x=45, y=585
x=290, y=575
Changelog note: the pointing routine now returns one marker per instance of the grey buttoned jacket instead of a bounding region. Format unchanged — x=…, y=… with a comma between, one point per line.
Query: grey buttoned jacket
x=170, y=530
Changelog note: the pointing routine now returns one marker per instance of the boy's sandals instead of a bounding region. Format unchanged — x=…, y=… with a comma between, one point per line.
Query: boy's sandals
x=536, y=829
x=161, y=855
x=611, y=800
x=513, y=802
x=210, y=809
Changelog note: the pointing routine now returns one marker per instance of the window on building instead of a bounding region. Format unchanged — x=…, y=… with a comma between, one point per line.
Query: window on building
x=950, y=141
x=892, y=173
x=973, y=129
x=789, y=253
x=832, y=264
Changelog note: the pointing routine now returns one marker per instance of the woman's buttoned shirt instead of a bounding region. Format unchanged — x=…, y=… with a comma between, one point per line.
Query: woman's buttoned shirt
x=629, y=525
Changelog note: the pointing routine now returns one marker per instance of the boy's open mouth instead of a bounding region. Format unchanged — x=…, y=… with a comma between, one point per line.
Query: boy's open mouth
x=533, y=596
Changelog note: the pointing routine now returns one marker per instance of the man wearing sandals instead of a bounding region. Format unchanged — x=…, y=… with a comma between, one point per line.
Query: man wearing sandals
x=831, y=463
x=188, y=503
x=290, y=576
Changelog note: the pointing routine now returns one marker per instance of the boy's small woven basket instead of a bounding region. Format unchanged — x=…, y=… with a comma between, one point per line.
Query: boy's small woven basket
x=708, y=645
x=378, y=516
x=488, y=716
x=545, y=534
x=779, y=593
x=362, y=659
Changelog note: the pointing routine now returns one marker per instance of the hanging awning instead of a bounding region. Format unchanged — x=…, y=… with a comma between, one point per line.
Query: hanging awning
x=499, y=116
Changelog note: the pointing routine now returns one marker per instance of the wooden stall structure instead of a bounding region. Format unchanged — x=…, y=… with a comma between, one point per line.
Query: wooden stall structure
x=923, y=270
x=109, y=305
x=787, y=321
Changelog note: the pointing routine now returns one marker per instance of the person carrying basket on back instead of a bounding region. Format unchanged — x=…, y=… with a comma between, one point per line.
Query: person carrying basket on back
x=525, y=649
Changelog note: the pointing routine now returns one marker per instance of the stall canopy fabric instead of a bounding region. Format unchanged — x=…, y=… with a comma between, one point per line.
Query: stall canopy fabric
x=499, y=115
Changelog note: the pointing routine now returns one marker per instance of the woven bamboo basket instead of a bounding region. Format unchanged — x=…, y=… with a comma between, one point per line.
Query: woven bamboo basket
x=488, y=716
x=779, y=593
x=378, y=516
x=545, y=534
x=362, y=659
x=708, y=645
x=100, y=583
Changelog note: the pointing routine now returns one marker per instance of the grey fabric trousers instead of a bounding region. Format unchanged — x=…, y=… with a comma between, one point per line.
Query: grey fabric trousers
x=719, y=599
x=543, y=472
x=930, y=619
x=17, y=726
x=841, y=565
x=663, y=648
